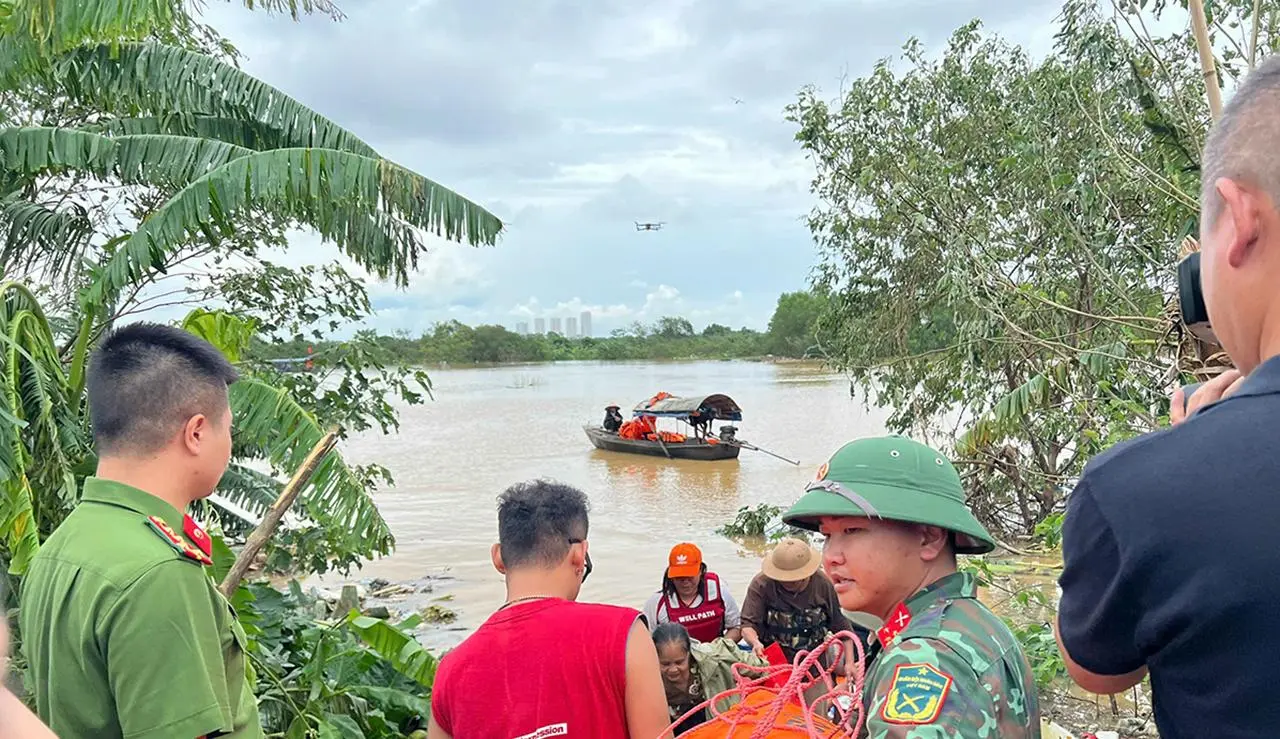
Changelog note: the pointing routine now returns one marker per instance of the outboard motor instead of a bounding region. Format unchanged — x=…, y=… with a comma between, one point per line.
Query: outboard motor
x=727, y=433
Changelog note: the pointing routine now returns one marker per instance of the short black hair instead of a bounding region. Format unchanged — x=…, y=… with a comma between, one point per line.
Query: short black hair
x=672, y=633
x=536, y=520
x=146, y=379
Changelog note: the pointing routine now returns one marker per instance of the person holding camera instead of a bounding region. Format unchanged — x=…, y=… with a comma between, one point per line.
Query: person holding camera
x=1170, y=556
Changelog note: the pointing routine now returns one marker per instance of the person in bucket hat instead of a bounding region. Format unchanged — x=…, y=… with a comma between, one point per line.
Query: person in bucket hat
x=894, y=517
x=790, y=602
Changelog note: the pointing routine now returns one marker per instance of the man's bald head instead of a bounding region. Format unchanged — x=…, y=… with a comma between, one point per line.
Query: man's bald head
x=1244, y=144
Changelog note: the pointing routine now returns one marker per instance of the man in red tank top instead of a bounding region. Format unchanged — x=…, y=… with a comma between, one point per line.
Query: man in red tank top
x=543, y=665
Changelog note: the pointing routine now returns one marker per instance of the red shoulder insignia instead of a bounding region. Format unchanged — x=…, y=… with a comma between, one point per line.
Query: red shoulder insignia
x=897, y=621
x=180, y=545
x=197, y=534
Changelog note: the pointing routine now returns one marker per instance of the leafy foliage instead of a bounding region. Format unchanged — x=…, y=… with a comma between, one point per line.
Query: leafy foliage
x=750, y=521
x=793, y=328
x=791, y=334
x=761, y=522
x=322, y=676
x=992, y=257
x=135, y=108
x=42, y=434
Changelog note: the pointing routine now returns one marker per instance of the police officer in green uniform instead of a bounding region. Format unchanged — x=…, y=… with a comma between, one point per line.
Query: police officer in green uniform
x=124, y=631
x=894, y=518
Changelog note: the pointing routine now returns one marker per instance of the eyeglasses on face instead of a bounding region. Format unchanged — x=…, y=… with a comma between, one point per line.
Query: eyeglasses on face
x=587, y=568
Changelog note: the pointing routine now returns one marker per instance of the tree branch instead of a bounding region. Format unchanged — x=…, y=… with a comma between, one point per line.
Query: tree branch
x=276, y=512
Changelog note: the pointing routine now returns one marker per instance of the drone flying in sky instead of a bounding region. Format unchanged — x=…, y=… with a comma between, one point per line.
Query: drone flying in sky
x=650, y=226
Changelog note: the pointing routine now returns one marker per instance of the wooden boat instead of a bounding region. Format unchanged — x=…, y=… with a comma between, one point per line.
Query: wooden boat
x=699, y=412
x=609, y=441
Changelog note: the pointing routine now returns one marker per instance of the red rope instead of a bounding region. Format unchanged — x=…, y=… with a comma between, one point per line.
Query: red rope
x=799, y=678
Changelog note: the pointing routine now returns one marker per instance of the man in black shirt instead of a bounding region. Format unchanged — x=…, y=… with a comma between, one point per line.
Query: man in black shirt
x=612, y=419
x=1171, y=556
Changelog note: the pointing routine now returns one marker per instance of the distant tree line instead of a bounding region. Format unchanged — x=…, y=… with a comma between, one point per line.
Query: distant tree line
x=791, y=333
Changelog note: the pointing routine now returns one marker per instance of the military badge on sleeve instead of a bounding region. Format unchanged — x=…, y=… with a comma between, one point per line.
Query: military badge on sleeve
x=916, y=694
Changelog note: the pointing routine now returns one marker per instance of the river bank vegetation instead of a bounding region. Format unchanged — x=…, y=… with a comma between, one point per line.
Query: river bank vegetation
x=791, y=333
x=139, y=168
x=998, y=234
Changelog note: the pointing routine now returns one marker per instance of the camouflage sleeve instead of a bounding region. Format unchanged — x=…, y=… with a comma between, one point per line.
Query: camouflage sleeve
x=924, y=690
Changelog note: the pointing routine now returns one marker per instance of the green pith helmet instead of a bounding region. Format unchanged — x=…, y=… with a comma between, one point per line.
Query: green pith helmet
x=894, y=478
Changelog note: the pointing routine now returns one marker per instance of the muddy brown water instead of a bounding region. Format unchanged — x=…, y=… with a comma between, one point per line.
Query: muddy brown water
x=490, y=427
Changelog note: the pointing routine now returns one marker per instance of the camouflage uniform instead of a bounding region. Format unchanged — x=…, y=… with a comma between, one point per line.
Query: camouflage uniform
x=952, y=669
x=947, y=666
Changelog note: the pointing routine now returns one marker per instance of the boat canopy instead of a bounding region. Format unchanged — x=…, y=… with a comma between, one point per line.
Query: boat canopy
x=717, y=407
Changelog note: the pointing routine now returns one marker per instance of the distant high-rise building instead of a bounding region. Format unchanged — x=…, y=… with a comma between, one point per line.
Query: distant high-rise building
x=539, y=326
x=586, y=323
x=555, y=325
x=522, y=328
x=571, y=327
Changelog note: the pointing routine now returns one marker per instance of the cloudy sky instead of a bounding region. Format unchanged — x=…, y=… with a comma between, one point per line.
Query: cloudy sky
x=573, y=120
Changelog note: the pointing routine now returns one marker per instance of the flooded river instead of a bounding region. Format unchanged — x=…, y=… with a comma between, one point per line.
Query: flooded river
x=490, y=427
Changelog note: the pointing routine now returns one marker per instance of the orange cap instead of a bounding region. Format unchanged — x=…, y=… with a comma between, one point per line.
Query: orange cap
x=685, y=561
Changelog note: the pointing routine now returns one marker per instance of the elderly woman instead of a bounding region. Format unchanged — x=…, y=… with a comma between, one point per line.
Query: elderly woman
x=693, y=672
x=695, y=598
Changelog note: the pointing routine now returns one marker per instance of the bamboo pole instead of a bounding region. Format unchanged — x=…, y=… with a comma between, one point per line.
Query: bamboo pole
x=276, y=512
x=1253, y=40
x=1200, y=27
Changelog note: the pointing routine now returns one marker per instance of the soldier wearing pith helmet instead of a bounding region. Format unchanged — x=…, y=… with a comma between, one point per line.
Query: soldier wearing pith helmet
x=894, y=517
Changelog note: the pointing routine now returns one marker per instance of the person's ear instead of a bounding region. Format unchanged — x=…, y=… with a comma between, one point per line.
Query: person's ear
x=1242, y=209
x=578, y=557
x=195, y=431
x=933, y=542
x=495, y=553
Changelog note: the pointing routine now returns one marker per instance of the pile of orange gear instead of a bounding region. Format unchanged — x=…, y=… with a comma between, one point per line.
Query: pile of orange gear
x=637, y=428
x=660, y=396
x=645, y=427
x=773, y=706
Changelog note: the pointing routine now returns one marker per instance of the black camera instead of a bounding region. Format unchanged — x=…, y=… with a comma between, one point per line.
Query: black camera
x=1194, y=315
x=1191, y=299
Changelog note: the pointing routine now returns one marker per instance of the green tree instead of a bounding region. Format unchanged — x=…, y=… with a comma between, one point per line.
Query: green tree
x=990, y=253
x=200, y=149
x=793, y=327
x=670, y=327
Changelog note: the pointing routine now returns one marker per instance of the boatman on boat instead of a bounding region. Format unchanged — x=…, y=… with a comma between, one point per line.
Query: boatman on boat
x=894, y=517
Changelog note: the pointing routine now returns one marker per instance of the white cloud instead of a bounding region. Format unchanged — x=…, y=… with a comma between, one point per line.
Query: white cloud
x=574, y=120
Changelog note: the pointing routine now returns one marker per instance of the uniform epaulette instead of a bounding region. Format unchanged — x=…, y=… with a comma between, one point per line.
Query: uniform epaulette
x=171, y=537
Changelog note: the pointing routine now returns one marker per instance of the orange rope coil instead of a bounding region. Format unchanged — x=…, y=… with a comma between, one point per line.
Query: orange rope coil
x=757, y=710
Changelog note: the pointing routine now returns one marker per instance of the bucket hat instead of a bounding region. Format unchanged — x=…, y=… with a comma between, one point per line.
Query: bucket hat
x=893, y=478
x=685, y=560
x=791, y=560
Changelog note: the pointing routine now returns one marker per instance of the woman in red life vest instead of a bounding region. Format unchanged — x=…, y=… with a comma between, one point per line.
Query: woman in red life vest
x=694, y=598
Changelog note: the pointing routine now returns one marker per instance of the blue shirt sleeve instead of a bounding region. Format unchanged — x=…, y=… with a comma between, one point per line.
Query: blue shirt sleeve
x=1098, y=613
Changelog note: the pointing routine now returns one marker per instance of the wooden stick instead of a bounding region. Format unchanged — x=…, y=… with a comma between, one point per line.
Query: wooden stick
x=1253, y=42
x=276, y=512
x=1201, y=29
